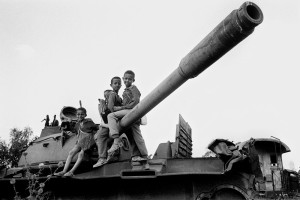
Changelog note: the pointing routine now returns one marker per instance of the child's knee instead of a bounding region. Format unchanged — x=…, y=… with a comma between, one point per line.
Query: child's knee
x=110, y=116
x=81, y=154
x=72, y=152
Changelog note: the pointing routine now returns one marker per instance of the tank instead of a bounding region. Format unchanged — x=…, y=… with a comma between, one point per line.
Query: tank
x=172, y=173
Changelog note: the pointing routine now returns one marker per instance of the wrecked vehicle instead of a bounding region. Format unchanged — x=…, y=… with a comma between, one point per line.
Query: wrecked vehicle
x=172, y=173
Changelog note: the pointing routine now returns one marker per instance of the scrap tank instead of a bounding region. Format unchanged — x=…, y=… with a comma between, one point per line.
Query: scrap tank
x=172, y=173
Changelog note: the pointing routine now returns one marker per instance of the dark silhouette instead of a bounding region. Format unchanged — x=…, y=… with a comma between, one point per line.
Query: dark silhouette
x=55, y=121
x=47, y=120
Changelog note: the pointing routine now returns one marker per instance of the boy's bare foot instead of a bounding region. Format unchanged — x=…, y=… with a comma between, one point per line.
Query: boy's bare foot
x=69, y=174
x=100, y=162
x=59, y=173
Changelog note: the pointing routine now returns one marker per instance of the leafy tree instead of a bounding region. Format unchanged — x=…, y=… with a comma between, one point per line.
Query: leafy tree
x=3, y=153
x=19, y=140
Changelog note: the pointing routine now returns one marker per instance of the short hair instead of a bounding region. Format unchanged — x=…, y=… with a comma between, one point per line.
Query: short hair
x=130, y=72
x=82, y=109
x=116, y=77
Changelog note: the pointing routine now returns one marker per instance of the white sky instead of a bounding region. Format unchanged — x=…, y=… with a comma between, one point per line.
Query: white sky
x=55, y=53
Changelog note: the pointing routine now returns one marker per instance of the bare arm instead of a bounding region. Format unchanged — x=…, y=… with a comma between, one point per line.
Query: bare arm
x=117, y=108
x=111, y=103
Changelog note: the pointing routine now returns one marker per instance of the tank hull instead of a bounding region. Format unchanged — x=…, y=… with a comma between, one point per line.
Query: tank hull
x=195, y=178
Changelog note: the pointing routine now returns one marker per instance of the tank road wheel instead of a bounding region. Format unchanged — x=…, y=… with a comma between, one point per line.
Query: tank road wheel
x=227, y=193
x=223, y=192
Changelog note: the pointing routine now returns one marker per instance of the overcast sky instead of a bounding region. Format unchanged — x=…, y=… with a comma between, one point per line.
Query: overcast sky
x=55, y=53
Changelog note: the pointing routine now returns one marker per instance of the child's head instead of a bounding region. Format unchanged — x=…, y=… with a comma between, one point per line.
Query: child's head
x=128, y=78
x=81, y=113
x=115, y=83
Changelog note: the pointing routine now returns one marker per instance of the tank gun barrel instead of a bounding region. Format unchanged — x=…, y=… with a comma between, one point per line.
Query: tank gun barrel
x=238, y=25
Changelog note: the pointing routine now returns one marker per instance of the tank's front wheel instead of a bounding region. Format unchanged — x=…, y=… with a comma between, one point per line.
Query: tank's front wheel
x=227, y=193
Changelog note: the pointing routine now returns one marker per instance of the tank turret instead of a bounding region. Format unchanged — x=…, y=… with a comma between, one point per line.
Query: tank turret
x=233, y=29
x=68, y=113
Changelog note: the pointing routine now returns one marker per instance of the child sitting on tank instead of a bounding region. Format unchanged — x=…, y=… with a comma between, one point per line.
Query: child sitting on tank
x=112, y=99
x=131, y=97
x=85, y=129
